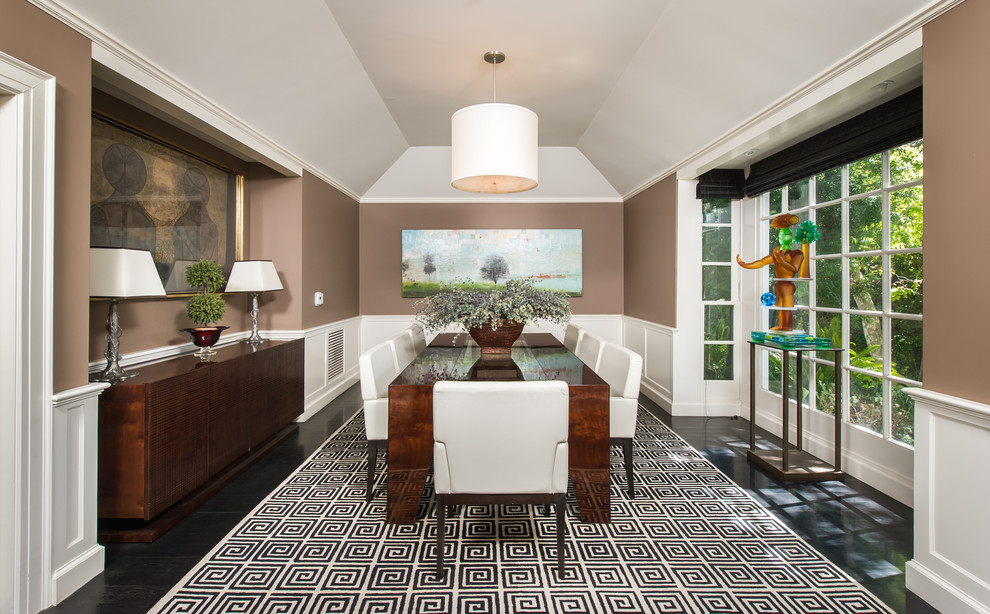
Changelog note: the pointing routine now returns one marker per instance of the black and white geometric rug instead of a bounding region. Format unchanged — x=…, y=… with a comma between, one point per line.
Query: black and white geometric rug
x=691, y=541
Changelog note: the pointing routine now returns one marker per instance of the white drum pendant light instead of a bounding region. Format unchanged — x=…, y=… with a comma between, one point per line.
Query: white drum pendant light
x=494, y=146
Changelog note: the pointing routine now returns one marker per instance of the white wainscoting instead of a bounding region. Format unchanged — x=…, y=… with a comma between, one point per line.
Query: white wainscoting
x=375, y=329
x=655, y=343
x=331, y=362
x=76, y=557
x=607, y=327
x=950, y=569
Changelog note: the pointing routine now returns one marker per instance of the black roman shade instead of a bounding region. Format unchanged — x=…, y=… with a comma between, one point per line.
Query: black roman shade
x=891, y=124
x=721, y=183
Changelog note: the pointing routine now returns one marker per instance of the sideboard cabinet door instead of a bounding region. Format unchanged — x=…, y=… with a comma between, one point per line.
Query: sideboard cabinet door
x=182, y=422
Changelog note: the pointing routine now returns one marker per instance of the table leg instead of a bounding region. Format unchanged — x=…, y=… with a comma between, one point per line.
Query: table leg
x=410, y=412
x=752, y=395
x=588, y=447
x=784, y=382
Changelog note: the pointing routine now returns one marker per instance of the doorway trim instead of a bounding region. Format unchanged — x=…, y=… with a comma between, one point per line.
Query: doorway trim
x=27, y=180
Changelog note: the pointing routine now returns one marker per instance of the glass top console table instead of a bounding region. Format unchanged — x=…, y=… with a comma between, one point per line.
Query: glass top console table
x=786, y=464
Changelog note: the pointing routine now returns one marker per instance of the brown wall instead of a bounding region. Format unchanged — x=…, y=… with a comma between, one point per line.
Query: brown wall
x=275, y=206
x=330, y=253
x=651, y=254
x=30, y=35
x=956, y=210
x=381, y=245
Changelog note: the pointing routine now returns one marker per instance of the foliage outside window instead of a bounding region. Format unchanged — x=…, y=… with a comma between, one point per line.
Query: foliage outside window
x=866, y=293
x=716, y=288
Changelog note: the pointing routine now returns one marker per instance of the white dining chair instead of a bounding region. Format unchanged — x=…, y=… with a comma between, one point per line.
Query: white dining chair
x=419, y=337
x=404, y=349
x=589, y=347
x=376, y=368
x=500, y=443
x=622, y=368
x=572, y=337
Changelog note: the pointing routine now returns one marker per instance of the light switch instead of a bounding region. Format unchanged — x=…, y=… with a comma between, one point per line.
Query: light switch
x=318, y=299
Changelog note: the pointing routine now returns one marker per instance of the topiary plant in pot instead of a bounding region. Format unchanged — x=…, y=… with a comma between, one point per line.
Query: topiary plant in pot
x=207, y=306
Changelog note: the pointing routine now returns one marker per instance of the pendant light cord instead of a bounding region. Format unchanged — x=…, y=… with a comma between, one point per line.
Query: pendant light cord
x=494, y=64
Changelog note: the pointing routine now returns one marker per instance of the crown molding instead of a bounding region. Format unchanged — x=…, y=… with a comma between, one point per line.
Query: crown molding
x=818, y=86
x=125, y=62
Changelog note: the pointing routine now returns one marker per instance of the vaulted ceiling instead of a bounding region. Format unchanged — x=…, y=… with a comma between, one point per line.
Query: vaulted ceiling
x=362, y=91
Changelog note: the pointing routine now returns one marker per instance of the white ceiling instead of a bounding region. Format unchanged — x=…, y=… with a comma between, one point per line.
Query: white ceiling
x=635, y=86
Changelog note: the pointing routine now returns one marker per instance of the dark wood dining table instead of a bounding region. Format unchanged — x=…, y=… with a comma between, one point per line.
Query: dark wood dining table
x=535, y=356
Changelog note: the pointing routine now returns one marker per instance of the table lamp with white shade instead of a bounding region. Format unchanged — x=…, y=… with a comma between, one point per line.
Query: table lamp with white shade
x=116, y=273
x=254, y=276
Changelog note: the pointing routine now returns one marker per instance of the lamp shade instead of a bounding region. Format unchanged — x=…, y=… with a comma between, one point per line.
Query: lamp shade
x=253, y=276
x=494, y=149
x=118, y=272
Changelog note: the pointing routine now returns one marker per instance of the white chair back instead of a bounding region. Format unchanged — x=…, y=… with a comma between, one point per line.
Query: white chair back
x=588, y=350
x=405, y=350
x=500, y=437
x=376, y=368
x=621, y=368
x=419, y=337
x=572, y=336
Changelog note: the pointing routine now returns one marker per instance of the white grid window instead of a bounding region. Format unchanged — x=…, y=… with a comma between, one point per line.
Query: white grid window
x=866, y=288
x=717, y=289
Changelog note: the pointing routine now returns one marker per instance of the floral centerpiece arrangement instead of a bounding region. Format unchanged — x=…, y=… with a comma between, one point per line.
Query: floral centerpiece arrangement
x=499, y=312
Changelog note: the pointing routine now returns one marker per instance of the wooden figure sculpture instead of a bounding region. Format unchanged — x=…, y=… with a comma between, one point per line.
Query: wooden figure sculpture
x=786, y=264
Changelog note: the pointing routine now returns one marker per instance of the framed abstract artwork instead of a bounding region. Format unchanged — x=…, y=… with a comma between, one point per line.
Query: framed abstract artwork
x=489, y=257
x=148, y=194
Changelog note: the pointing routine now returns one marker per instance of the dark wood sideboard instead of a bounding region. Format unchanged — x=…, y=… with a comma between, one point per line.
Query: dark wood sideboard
x=172, y=436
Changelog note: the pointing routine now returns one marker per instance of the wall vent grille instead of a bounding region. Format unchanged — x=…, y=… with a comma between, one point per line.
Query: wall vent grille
x=335, y=354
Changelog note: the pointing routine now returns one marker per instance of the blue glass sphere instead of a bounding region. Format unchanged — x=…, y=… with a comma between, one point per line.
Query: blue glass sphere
x=768, y=299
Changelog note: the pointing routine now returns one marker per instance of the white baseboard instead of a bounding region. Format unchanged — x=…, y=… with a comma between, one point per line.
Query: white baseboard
x=887, y=479
x=70, y=577
x=938, y=592
x=708, y=409
x=318, y=402
x=655, y=394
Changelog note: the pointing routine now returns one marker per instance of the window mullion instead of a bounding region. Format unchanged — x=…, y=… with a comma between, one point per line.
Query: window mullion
x=843, y=404
x=885, y=320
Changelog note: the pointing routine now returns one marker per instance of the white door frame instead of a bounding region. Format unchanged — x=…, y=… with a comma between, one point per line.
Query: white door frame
x=27, y=155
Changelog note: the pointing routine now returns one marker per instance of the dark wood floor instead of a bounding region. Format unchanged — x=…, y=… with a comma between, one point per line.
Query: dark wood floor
x=858, y=528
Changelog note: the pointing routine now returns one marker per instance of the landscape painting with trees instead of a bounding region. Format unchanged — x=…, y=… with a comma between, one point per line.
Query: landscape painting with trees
x=486, y=258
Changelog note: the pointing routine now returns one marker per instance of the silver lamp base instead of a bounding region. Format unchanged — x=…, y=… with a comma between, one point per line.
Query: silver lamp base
x=255, y=339
x=113, y=372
